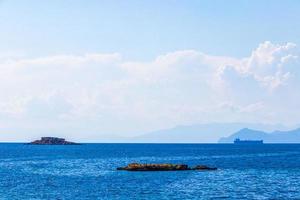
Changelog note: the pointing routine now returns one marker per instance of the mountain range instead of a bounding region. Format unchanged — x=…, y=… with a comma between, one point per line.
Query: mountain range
x=292, y=136
x=201, y=133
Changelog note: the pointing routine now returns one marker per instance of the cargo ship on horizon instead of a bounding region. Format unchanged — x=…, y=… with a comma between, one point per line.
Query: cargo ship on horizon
x=239, y=141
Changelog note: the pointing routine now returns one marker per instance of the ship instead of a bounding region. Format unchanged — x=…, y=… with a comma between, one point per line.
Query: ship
x=251, y=142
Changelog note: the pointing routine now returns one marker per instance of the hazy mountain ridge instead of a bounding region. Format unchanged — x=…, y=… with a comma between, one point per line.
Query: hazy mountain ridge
x=201, y=133
x=292, y=136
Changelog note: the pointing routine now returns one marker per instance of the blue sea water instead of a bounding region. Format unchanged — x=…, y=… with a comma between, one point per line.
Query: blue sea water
x=88, y=171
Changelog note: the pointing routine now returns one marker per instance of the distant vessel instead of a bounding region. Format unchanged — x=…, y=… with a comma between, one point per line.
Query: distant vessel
x=238, y=141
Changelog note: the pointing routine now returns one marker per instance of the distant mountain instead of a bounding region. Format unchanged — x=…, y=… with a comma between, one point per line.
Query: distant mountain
x=292, y=136
x=200, y=133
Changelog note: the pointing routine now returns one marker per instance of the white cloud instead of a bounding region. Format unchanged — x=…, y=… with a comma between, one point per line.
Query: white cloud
x=111, y=94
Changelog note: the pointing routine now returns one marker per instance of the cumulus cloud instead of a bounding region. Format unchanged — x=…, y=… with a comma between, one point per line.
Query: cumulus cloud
x=111, y=94
x=266, y=64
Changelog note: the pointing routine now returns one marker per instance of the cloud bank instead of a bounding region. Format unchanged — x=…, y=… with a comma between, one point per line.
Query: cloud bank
x=97, y=94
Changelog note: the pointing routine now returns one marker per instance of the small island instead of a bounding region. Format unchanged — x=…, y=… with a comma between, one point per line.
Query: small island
x=163, y=167
x=52, y=141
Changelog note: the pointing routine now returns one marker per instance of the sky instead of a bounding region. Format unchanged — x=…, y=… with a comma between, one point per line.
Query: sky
x=89, y=69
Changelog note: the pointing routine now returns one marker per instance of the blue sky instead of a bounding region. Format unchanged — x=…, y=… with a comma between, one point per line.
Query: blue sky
x=145, y=29
x=84, y=69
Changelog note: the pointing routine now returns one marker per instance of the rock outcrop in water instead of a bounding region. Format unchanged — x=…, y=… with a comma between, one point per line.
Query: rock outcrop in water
x=52, y=141
x=162, y=167
x=203, y=167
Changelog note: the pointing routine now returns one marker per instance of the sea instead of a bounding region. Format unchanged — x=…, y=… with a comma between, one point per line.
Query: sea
x=88, y=171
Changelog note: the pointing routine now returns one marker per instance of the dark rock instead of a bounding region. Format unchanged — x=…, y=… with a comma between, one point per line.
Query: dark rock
x=204, y=167
x=52, y=141
x=153, y=167
x=162, y=167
